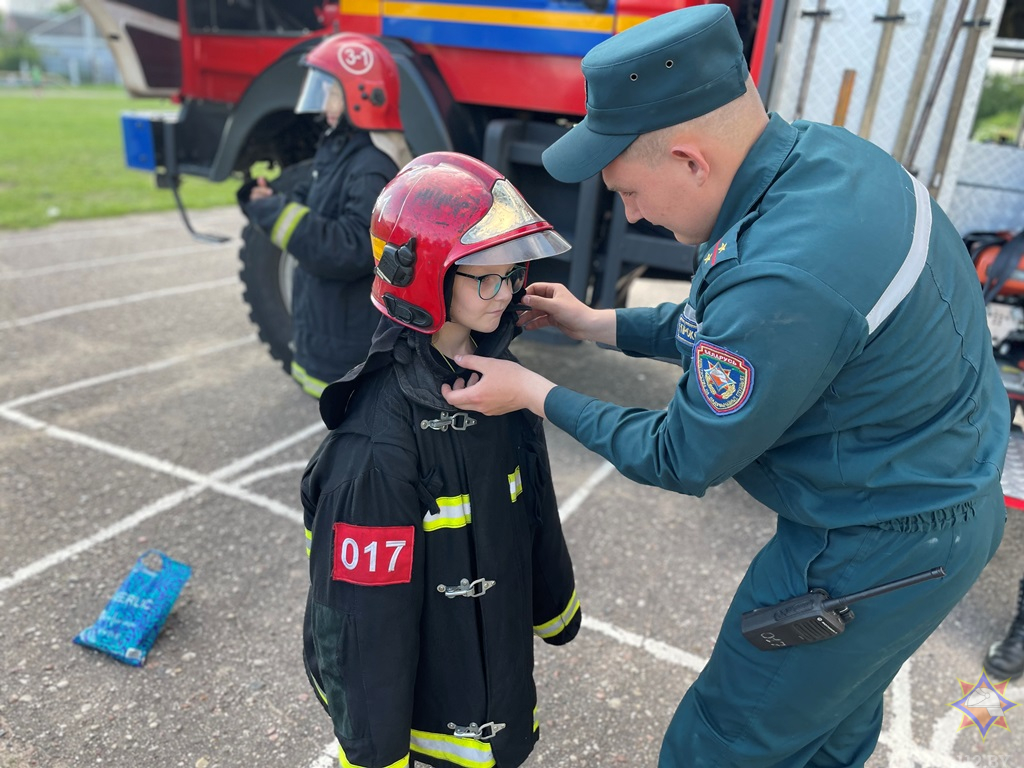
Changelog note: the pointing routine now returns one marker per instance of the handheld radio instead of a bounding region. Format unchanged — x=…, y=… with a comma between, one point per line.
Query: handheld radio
x=815, y=616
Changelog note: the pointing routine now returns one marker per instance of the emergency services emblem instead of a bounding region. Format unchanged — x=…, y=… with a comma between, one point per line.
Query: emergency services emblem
x=983, y=704
x=725, y=379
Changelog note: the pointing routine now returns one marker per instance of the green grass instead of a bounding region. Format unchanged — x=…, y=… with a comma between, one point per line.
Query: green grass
x=1000, y=127
x=61, y=157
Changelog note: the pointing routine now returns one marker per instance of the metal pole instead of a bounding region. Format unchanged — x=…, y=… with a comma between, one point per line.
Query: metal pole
x=889, y=21
x=819, y=15
x=922, y=123
x=956, y=100
x=917, y=84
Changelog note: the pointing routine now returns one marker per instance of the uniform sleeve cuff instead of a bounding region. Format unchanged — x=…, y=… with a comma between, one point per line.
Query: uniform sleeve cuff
x=562, y=407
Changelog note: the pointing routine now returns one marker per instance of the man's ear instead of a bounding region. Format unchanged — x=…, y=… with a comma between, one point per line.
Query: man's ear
x=692, y=158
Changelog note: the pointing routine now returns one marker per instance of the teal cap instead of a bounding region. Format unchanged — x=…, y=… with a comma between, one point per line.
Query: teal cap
x=667, y=70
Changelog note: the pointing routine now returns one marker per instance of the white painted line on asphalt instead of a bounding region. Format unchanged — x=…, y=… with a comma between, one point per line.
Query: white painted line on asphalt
x=72, y=266
x=655, y=648
x=944, y=736
x=118, y=302
x=263, y=474
x=16, y=240
x=199, y=483
x=267, y=451
x=900, y=731
x=580, y=494
x=103, y=229
x=43, y=564
x=125, y=373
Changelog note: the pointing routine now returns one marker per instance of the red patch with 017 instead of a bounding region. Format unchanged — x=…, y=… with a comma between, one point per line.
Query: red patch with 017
x=372, y=555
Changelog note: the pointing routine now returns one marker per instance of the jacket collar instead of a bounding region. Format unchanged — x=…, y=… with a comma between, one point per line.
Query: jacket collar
x=419, y=374
x=755, y=174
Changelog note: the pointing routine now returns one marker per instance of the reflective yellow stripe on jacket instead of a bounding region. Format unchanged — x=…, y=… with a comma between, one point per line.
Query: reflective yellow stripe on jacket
x=551, y=628
x=468, y=753
x=310, y=384
x=455, y=512
x=286, y=223
x=515, y=484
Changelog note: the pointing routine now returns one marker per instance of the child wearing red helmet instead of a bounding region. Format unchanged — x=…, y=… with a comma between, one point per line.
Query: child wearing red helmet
x=352, y=83
x=436, y=551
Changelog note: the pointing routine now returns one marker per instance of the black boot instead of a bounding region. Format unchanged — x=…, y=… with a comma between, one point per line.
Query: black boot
x=1005, y=659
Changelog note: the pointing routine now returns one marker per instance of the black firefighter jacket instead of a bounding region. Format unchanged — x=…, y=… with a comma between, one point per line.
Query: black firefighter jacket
x=436, y=554
x=324, y=224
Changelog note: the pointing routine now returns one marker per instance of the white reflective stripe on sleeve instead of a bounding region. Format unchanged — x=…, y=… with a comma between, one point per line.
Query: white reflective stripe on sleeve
x=913, y=264
x=561, y=621
x=286, y=223
x=455, y=512
x=515, y=484
x=468, y=753
x=346, y=763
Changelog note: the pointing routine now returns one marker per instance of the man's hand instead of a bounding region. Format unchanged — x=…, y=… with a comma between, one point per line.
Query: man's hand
x=553, y=305
x=500, y=386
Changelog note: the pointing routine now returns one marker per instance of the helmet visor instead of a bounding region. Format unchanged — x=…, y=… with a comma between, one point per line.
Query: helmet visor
x=537, y=245
x=318, y=89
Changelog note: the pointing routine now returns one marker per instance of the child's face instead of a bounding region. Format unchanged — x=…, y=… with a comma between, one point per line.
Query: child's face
x=334, y=104
x=473, y=312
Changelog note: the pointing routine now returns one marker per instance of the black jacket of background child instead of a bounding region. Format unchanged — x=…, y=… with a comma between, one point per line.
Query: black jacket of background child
x=332, y=316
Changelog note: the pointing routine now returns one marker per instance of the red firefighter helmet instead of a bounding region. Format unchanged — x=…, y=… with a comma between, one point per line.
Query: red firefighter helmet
x=367, y=75
x=442, y=209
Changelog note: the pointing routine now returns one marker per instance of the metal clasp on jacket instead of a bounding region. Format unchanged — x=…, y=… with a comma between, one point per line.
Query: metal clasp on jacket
x=466, y=588
x=458, y=421
x=474, y=731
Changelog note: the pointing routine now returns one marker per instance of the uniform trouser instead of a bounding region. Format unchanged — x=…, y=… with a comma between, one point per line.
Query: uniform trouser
x=821, y=704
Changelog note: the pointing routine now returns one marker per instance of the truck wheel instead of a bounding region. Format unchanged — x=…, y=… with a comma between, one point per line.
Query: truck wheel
x=267, y=276
x=266, y=273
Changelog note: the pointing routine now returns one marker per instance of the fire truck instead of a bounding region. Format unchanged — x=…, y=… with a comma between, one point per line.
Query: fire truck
x=497, y=81
x=501, y=80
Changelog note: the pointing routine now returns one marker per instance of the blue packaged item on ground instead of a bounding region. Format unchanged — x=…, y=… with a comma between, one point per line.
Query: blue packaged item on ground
x=130, y=623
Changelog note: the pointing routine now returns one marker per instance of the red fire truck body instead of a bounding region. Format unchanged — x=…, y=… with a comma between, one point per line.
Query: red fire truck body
x=497, y=80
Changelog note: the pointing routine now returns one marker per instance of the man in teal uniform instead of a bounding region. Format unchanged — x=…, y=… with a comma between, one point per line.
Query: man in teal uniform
x=836, y=363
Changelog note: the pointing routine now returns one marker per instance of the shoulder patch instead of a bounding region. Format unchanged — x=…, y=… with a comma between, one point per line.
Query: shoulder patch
x=372, y=555
x=715, y=252
x=725, y=379
x=687, y=328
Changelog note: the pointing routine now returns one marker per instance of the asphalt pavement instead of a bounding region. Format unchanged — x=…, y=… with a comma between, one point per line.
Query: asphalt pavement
x=139, y=411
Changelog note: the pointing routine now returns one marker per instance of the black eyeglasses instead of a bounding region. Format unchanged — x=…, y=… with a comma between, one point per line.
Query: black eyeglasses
x=488, y=286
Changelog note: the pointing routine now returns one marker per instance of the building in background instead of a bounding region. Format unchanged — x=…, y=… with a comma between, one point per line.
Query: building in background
x=71, y=49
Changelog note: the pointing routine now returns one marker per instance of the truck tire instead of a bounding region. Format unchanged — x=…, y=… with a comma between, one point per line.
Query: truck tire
x=266, y=274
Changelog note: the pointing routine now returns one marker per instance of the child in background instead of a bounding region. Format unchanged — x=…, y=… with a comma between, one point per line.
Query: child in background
x=324, y=223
